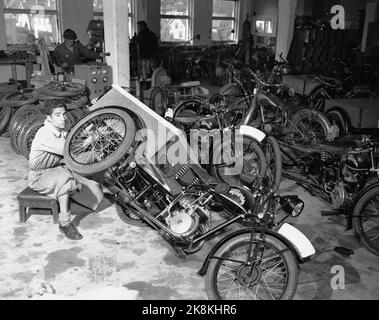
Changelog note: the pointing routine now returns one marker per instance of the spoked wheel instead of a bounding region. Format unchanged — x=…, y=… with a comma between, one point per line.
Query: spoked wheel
x=23, y=128
x=250, y=164
x=62, y=89
x=19, y=98
x=366, y=220
x=99, y=141
x=28, y=136
x=158, y=101
x=15, y=125
x=313, y=125
x=273, y=277
x=273, y=156
x=5, y=116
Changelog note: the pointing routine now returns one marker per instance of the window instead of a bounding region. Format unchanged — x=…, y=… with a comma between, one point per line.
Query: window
x=37, y=17
x=175, y=20
x=98, y=13
x=264, y=25
x=224, y=20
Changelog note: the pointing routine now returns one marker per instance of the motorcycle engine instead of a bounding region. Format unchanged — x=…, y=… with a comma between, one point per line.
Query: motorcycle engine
x=354, y=168
x=188, y=219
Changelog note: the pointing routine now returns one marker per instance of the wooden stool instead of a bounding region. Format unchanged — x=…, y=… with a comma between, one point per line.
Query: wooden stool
x=30, y=199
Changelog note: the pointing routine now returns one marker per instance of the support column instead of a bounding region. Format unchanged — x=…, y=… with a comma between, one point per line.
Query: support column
x=286, y=24
x=3, y=36
x=371, y=10
x=117, y=40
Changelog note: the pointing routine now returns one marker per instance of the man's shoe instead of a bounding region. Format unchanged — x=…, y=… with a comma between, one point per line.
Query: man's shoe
x=70, y=232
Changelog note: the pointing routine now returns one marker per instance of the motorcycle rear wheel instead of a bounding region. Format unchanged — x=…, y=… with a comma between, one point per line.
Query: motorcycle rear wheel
x=115, y=130
x=366, y=220
x=312, y=124
x=226, y=280
x=253, y=156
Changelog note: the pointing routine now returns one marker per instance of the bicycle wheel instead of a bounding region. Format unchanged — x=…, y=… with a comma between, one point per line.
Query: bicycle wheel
x=253, y=164
x=273, y=174
x=114, y=131
x=366, y=220
x=274, y=276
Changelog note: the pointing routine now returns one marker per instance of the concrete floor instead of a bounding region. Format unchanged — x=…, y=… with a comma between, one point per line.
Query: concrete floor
x=136, y=263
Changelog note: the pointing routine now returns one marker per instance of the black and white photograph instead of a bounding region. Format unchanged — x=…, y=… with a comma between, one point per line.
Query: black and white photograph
x=185, y=155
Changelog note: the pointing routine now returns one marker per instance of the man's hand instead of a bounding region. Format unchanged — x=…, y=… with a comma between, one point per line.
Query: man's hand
x=64, y=65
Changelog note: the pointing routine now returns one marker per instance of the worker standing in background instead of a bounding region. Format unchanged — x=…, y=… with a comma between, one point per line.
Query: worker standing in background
x=246, y=39
x=71, y=52
x=147, y=48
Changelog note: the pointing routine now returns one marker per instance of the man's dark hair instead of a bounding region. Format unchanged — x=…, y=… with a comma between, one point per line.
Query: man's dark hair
x=70, y=35
x=142, y=23
x=51, y=105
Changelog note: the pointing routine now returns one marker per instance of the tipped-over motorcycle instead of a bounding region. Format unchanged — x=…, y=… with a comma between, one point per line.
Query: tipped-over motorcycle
x=180, y=201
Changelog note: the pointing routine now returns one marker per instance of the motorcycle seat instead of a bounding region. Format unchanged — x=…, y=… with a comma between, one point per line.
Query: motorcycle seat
x=187, y=120
x=187, y=117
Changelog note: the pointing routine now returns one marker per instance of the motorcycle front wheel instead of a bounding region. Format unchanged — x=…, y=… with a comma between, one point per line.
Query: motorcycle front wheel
x=273, y=174
x=113, y=131
x=274, y=277
x=366, y=220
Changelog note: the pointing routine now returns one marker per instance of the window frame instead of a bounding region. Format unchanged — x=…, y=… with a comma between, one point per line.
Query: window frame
x=266, y=18
x=235, y=20
x=188, y=17
x=55, y=12
x=132, y=15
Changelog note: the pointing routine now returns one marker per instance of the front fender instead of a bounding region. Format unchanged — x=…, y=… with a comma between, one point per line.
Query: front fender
x=203, y=271
x=252, y=132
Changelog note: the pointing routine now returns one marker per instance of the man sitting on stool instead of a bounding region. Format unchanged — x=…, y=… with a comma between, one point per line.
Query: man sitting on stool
x=49, y=176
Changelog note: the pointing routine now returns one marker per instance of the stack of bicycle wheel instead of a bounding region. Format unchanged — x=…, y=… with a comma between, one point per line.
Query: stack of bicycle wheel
x=30, y=118
x=10, y=103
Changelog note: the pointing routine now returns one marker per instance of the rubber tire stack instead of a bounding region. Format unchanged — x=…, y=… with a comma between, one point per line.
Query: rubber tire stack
x=29, y=118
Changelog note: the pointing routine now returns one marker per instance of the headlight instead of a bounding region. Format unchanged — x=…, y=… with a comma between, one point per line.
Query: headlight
x=292, y=205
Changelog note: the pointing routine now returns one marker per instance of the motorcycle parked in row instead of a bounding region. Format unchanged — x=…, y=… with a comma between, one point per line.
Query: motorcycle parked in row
x=338, y=172
x=261, y=155
x=179, y=201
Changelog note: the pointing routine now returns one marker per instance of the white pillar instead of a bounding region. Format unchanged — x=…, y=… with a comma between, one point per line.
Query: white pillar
x=117, y=40
x=371, y=9
x=3, y=37
x=286, y=23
